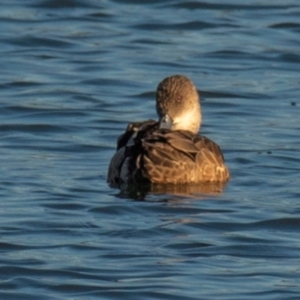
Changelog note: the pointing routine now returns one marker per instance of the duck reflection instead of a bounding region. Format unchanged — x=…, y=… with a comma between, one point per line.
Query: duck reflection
x=191, y=191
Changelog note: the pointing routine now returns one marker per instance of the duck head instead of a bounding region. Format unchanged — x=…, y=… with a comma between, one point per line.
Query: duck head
x=178, y=105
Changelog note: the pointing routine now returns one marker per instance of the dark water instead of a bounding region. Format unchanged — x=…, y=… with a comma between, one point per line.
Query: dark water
x=73, y=74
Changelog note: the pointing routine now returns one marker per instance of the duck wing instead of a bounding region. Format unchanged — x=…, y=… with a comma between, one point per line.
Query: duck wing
x=128, y=145
x=181, y=157
x=148, y=154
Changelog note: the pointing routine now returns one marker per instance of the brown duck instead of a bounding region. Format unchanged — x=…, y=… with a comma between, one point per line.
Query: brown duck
x=170, y=150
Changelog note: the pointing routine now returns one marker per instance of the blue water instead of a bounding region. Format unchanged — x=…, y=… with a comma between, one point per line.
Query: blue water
x=73, y=74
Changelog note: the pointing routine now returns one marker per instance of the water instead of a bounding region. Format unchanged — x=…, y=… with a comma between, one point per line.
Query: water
x=73, y=74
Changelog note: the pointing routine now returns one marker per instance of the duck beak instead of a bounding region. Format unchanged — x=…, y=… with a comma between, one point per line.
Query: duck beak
x=166, y=122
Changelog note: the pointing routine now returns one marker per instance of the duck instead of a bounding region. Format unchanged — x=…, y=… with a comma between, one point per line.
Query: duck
x=169, y=150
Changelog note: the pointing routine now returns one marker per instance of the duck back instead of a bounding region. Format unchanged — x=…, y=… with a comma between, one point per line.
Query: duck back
x=146, y=153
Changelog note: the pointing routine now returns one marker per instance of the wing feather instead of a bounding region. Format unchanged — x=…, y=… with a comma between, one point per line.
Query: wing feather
x=163, y=156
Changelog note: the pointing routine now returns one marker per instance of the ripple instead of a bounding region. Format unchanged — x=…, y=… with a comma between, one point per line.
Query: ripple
x=286, y=25
x=32, y=128
x=63, y=4
x=289, y=57
x=73, y=74
x=226, y=6
x=288, y=224
x=196, y=25
x=40, y=42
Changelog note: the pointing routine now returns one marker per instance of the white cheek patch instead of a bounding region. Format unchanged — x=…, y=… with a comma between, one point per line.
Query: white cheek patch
x=188, y=121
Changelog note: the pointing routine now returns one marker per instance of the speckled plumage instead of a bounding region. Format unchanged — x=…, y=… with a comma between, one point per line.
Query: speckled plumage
x=150, y=152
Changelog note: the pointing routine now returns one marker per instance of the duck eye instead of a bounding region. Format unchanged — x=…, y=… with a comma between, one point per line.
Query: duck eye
x=178, y=98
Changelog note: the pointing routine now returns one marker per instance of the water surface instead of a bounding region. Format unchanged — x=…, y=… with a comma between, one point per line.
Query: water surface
x=73, y=74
